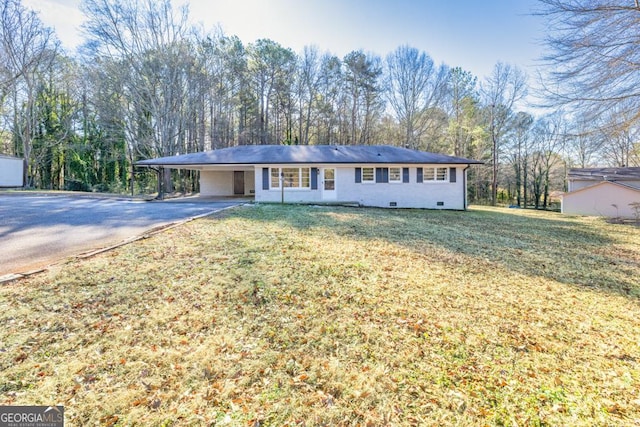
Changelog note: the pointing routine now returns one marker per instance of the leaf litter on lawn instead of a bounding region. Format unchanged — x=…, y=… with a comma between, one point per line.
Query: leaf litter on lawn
x=291, y=315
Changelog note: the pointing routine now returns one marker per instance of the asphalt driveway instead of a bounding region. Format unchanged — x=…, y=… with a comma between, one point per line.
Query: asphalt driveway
x=37, y=230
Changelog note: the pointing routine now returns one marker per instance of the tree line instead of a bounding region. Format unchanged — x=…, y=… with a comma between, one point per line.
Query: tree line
x=148, y=84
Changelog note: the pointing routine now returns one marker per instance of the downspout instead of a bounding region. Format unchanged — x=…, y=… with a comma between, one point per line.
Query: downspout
x=464, y=187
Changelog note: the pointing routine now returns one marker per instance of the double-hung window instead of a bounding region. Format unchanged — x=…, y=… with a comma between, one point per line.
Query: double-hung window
x=275, y=177
x=368, y=175
x=435, y=174
x=291, y=177
x=441, y=174
x=395, y=174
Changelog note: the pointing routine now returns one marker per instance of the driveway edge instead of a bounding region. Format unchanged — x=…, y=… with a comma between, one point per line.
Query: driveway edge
x=7, y=278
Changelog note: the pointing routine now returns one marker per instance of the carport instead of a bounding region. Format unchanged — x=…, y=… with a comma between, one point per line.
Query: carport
x=219, y=180
x=227, y=181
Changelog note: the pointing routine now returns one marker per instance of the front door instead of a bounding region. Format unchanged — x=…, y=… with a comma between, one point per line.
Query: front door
x=238, y=182
x=328, y=184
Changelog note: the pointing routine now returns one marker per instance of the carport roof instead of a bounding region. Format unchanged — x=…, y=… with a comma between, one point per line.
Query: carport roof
x=307, y=154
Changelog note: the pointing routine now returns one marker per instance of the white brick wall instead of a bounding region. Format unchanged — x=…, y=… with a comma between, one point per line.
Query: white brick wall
x=405, y=195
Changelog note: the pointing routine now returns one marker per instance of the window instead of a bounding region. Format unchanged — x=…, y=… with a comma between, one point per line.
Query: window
x=275, y=177
x=330, y=179
x=428, y=174
x=395, y=174
x=368, y=175
x=292, y=177
x=305, y=177
x=435, y=174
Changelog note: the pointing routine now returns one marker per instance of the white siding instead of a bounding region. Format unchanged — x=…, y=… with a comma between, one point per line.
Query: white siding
x=11, y=170
x=635, y=184
x=598, y=200
x=404, y=195
x=575, y=185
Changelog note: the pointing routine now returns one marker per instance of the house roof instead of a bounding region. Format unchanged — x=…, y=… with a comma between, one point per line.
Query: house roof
x=307, y=154
x=605, y=174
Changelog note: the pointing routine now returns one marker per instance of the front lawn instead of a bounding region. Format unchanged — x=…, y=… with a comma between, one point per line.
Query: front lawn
x=294, y=315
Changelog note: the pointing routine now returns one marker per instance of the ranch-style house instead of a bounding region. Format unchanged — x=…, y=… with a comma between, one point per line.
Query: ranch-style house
x=381, y=176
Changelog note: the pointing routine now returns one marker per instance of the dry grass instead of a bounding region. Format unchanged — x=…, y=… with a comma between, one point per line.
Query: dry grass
x=293, y=315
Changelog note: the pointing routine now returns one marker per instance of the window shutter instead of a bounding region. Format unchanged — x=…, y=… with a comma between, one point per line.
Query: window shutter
x=265, y=178
x=405, y=175
x=419, y=175
x=314, y=178
x=452, y=174
x=382, y=174
x=358, y=175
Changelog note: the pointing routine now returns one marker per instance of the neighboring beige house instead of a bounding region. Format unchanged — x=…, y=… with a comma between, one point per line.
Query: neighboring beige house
x=11, y=171
x=602, y=192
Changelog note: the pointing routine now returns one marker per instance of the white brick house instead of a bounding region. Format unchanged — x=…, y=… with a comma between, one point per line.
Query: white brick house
x=382, y=176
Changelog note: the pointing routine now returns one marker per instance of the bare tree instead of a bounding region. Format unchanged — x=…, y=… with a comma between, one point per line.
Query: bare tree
x=307, y=90
x=363, y=90
x=224, y=60
x=415, y=87
x=149, y=41
x=594, y=56
x=462, y=97
x=620, y=145
x=327, y=104
x=270, y=70
x=500, y=92
x=583, y=145
x=26, y=47
x=520, y=136
x=550, y=134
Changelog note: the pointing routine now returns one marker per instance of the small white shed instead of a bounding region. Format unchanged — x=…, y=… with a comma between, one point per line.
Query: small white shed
x=11, y=171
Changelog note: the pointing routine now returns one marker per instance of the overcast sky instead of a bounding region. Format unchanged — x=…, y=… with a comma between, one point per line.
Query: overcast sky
x=472, y=34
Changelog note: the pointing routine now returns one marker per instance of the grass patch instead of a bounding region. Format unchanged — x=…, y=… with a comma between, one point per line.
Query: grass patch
x=295, y=315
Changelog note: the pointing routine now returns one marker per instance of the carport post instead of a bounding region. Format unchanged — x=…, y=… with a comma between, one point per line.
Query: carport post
x=282, y=188
x=160, y=183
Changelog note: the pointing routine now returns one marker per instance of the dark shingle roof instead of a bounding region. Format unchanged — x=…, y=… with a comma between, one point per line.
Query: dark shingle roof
x=309, y=154
x=609, y=174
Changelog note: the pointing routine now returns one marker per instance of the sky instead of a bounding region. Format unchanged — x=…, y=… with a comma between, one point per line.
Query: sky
x=471, y=34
